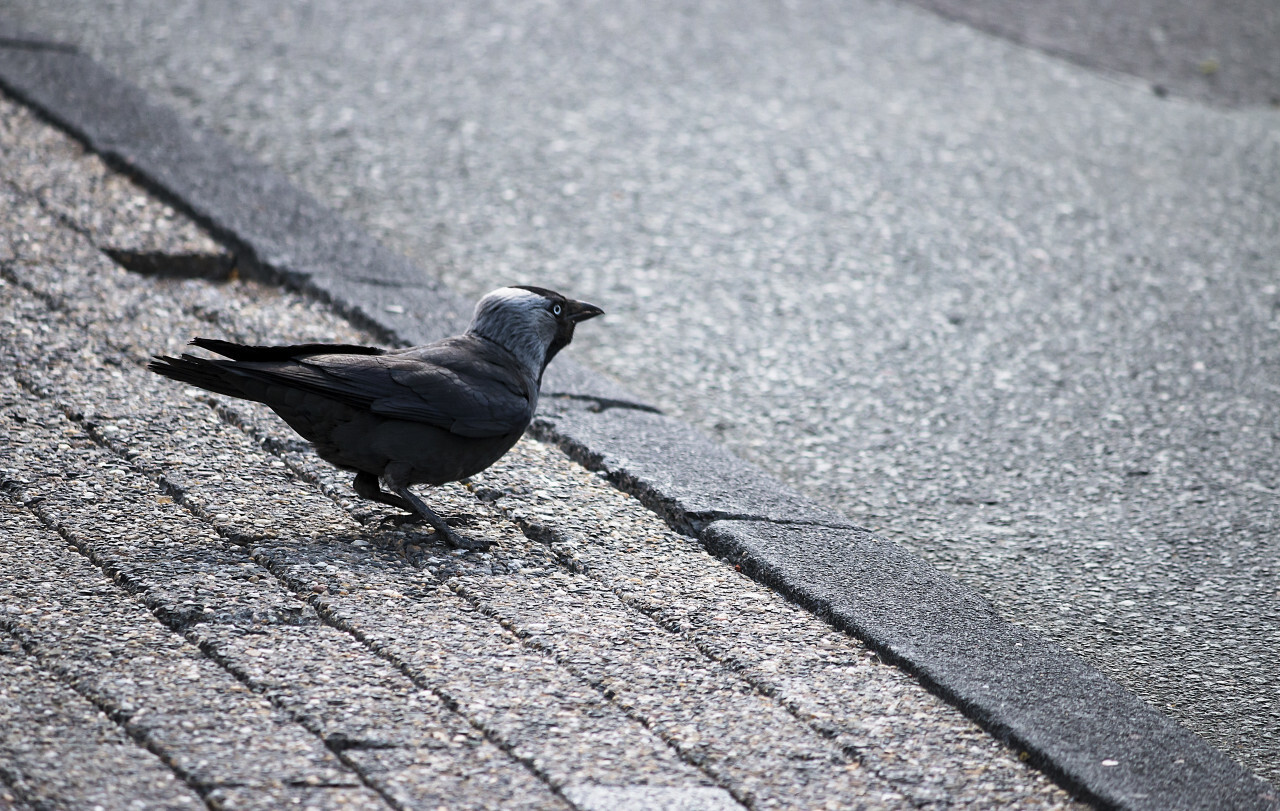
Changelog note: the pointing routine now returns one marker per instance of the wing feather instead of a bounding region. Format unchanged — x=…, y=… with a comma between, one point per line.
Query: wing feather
x=466, y=385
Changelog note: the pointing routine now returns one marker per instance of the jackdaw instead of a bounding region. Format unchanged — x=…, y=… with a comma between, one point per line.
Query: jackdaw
x=424, y=415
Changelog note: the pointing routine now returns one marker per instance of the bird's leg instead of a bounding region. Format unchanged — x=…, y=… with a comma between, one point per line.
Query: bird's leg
x=437, y=523
x=366, y=486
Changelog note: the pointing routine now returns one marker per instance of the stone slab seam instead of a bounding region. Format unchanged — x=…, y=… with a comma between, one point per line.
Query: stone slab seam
x=285, y=235
x=183, y=625
x=176, y=621
x=112, y=713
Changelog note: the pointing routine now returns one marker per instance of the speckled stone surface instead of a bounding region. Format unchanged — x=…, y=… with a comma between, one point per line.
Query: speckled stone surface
x=592, y=658
x=56, y=744
x=1016, y=315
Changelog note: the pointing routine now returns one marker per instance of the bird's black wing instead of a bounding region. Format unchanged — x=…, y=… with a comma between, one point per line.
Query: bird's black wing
x=465, y=385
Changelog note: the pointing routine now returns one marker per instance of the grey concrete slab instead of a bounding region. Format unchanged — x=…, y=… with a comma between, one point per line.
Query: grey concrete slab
x=59, y=750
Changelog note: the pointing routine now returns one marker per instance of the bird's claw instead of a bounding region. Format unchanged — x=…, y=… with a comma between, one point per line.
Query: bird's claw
x=461, y=541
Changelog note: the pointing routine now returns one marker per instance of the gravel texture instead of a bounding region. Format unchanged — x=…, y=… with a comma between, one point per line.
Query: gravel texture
x=58, y=749
x=1221, y=51
x=263, y=639
x=1017, y=316
x=205, y=725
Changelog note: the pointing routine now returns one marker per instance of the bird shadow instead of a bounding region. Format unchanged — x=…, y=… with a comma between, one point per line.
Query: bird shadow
x=378, y=545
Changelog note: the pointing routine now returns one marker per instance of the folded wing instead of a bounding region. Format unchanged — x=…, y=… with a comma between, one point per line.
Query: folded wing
x=465, y=385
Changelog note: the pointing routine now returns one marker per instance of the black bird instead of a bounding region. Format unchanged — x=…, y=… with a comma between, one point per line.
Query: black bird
x=425, y=415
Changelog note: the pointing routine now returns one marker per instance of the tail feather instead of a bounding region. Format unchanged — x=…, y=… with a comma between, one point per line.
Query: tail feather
x=221, y=377
x=272, y=353
x=211, y=375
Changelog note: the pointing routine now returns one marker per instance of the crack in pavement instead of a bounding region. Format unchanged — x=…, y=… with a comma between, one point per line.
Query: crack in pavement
x=601, y=403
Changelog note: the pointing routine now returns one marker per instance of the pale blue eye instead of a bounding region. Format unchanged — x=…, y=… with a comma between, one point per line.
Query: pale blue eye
x=556, y=309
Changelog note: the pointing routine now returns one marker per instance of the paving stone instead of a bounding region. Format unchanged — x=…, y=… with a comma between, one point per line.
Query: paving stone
x=206, y=725
x=58, y=750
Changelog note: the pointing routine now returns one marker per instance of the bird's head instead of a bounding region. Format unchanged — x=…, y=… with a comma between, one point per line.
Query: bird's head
x=532, y=322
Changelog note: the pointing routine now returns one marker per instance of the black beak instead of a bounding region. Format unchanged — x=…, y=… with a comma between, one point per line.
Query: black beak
x=581, y=311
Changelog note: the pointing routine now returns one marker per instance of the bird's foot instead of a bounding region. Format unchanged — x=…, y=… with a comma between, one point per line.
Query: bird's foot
x=437, y=523
x=462, y=541
x=401, y=520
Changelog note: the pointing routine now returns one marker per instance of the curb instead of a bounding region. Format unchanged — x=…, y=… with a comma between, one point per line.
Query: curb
x=1091, y=734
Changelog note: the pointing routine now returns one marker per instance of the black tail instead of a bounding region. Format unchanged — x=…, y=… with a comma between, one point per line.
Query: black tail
x=269, y=353
x=220, y=376
x=211, y=375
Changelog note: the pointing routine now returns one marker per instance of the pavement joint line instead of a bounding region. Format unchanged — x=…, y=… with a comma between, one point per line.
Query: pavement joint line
x=37, y=44
x=77, y=117
x=301, y=588
x=181, y=626
x=325, y=613
x=135, y=734
x=555, y=542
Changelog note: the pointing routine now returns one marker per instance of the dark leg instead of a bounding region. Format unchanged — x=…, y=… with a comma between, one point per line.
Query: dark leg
x=366, y=486
x=437, y=523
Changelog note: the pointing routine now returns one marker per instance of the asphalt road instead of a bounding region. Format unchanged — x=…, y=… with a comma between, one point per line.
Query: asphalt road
x=1017, y=314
